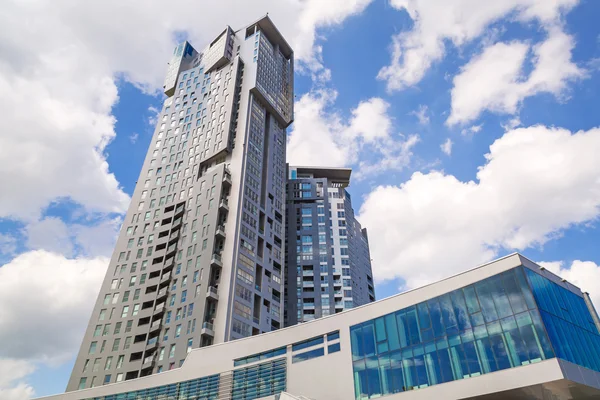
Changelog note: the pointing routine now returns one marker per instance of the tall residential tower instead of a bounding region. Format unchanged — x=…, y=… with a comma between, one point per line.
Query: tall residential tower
x=199, y=259
x=328, y=262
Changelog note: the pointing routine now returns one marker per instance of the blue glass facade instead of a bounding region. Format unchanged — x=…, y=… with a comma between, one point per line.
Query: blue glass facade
x=570, y=326
x=206, y=388
x=491, y=325
x=261, y=380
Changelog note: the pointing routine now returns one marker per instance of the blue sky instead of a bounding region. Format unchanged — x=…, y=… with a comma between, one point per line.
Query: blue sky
x=472, y=130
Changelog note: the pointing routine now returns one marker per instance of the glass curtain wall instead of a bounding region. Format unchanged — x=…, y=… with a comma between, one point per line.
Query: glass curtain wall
x=568, y=321
x=485, y=327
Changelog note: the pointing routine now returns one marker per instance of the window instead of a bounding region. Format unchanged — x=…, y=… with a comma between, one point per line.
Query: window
x=82, y=382
x=108, y=363
x=307, y=343
x=106, y=379
x=125, y=311
x=333, y=348
x=86, y=365
x=172, y=351
x=189, y=345
x=97, y=330
x=96, y=366
x=136, y=309
x=92, y=349
x=116, y=344
x=127, y=343
x=107, y=298
x=308, y=355
x=178, y=331
x=106, y=330
x=120, y=361
x=119, y=377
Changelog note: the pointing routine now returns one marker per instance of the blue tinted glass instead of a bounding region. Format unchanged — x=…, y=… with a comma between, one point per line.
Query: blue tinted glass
x=333, y=348
x=566, y=318
x=465, y=333
x=333, y=335
x=307, y=343
x=307, y=355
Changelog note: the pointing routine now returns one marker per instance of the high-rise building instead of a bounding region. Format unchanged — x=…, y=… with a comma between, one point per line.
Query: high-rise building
x=328, y=267
x=509, y=329
x=199, y=259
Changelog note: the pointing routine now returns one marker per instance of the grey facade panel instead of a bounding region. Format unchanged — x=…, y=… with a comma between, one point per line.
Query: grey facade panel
x=216, y=157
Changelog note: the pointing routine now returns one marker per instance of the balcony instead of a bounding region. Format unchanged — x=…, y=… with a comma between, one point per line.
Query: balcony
x=162, y=293
x=152, y=343
x=155, y=325
x=256, y=320
x=148, y=362
x=212, y=293
x=216, y=261
x=159, y=309
x=226, y=178
x=224, y=205
x=220, y=231
x=207, y=329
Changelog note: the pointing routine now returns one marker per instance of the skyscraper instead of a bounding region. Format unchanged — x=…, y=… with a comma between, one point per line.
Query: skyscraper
x=199, y=259
x=328, y=262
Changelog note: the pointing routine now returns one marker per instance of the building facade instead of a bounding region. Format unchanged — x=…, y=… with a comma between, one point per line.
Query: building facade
x=506, y=330
x=328, y=262
x=199, y=259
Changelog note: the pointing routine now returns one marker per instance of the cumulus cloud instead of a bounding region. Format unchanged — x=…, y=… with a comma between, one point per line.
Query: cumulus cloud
x=322, y=136
x=12, y=370
x=438, y=22
x=495, y=81
x=536, y=182
x=62, y=83
x=55, y=298
x=446, y=147
x=583, y=274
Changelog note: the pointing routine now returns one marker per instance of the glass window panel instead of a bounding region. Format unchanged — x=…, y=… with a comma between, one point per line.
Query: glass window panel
x=356, y=341
x=448, y=315
x=413, y=325
x=374, y=388
x=384, y=374
x=488, y=308
x=513, y=291
x=500, y=298
x=471, y=298
x=460, y=310
x=524, y=288
x=424, y=320
x=392, y=332
x=368, y=334
x=396, y=372
x=380, y=329
x=436, y=317
x=402, y=330
x=446, y=365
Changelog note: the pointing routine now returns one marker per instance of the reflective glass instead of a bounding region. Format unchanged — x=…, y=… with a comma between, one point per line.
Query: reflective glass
x=485, y=327
x=565, y=316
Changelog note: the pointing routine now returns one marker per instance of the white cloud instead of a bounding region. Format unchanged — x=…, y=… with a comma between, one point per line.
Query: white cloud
x=133, y=138
x=494, y=80
x=12, y=370
x=472, y=130
x=536, y=182
x=50, y=234
x=93, y=239
x=421, y=114
x=459, y=22
x=583, y=274
x=55, y=298
x=61, y=67
x=446, y=147
x=321, y=136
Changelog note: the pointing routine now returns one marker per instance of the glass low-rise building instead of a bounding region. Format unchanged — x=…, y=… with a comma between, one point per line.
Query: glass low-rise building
x=506, y=330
